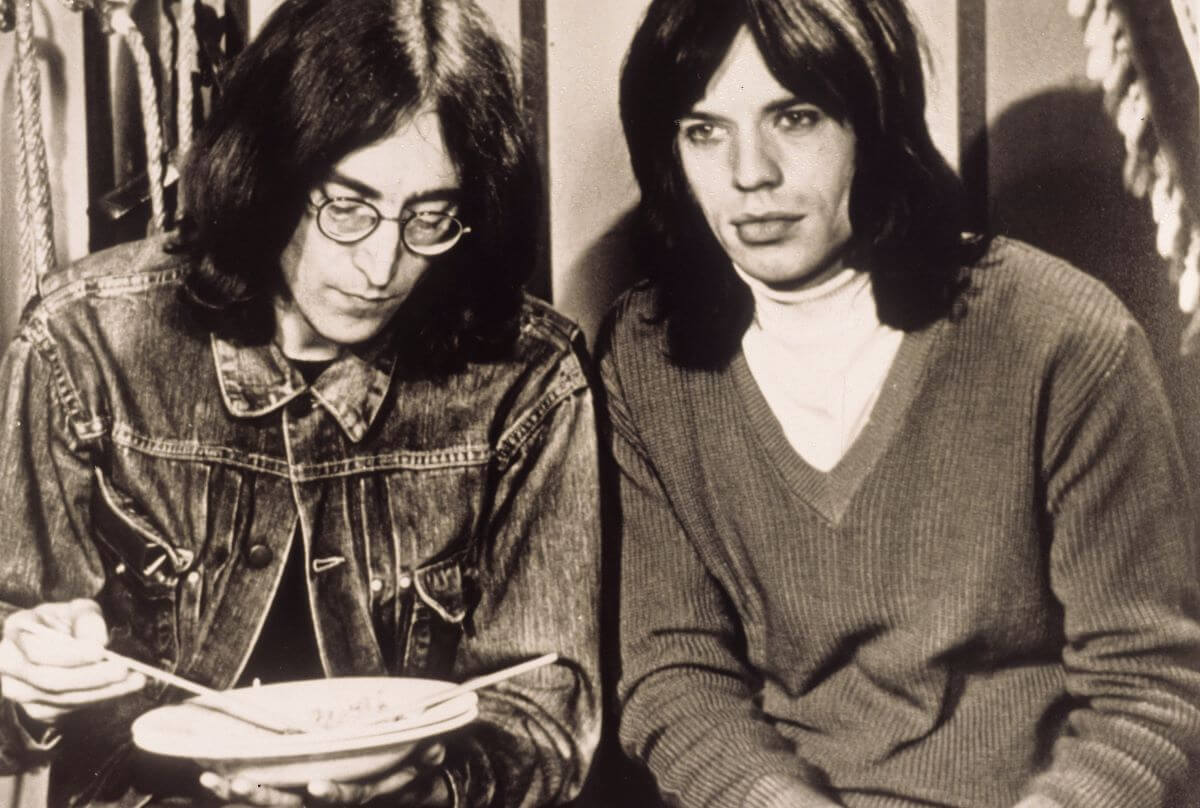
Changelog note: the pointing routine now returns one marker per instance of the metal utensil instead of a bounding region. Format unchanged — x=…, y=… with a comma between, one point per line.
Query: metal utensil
x=387, y=724
x=228, y=703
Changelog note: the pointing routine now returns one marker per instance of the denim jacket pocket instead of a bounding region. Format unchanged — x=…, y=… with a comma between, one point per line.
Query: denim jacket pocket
x=438, y=610
x=142, y=576
x=131, y=535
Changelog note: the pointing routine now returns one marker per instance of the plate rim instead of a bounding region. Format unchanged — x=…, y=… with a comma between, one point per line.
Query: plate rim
x=331, y=741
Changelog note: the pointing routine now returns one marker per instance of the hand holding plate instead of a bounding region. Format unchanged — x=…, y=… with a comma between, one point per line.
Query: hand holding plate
x=416, y=781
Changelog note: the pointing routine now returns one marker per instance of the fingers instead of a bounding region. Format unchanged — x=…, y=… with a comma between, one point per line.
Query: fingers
x=333, y=793
x=239, y=793
x=49, y=676
x=33, y=689
x=434, y=754
x=88, y=624
x=80, y=619
x=46, y=705
x=428, y=758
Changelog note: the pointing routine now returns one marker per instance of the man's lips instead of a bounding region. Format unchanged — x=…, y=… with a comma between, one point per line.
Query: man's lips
x=765, y=228
x=366, y=301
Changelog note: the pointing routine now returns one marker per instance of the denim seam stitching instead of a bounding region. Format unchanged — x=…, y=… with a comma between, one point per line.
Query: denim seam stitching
x=107, y=287
x=570, y=380
x=466, y=456
x=83, y=424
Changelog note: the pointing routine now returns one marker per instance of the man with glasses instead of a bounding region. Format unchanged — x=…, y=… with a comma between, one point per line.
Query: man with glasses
x=345, y=219
x=318, y=432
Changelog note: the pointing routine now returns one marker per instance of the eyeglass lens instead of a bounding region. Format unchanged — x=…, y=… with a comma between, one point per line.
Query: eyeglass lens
x=349, y=220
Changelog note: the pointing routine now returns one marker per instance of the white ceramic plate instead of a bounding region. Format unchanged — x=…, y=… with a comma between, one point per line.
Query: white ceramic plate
x=353, y=738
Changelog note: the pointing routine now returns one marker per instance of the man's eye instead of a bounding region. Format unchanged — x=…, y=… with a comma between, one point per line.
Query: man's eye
x=800, y=118
x=430, y=222
x=346, y=209
x=700, y=132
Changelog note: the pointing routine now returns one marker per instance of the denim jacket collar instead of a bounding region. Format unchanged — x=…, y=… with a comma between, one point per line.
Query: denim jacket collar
x=257, y=379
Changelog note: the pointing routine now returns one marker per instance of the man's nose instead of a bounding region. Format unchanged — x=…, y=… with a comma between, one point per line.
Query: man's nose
x=376, y=256
x=754, y=162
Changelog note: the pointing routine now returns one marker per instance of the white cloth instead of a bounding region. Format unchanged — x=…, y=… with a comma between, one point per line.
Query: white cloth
x=820, y=357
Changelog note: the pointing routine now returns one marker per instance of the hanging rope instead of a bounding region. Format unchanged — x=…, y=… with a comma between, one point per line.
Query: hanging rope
x=186, y=67
x=35, y=232
x=35, y=215
x=26, y=270
x=1148, y=171
x=1187, y=12
x=121, y=23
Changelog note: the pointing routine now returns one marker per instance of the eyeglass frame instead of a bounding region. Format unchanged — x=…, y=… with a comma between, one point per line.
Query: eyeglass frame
x=402, y=220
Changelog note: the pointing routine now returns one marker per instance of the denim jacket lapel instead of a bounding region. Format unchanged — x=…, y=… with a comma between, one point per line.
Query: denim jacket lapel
x=257, y=379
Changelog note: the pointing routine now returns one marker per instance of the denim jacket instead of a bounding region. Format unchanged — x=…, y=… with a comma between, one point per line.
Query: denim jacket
x=448, y=528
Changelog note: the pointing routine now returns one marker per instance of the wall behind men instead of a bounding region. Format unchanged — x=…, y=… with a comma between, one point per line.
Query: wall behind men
x=1051, y=156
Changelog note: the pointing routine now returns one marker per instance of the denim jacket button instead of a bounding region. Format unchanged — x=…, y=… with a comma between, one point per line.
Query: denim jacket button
x=259, y=556
x=404, y=582
x=376, y=584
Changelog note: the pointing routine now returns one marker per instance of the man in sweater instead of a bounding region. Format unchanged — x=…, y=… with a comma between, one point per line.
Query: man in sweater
x=914, y=529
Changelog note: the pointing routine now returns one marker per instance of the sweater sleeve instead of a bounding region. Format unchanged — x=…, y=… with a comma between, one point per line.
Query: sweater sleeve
x=1123, y=565
x=687, y=694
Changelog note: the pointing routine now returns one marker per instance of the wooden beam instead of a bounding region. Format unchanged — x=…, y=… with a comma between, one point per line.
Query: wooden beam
x=972, y=107
x=534, y=89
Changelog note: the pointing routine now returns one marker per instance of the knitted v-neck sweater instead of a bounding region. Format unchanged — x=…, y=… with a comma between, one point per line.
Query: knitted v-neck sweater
x=992, y=595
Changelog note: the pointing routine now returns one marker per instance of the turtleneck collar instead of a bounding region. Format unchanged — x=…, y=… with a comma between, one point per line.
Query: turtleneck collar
x=815, y=313
x=786, y=297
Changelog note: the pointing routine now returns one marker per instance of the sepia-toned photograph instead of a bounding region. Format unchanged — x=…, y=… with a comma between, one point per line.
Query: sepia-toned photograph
x=599, y=403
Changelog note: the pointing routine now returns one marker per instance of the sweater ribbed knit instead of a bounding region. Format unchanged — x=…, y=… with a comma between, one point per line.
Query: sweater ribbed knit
x=992, y=595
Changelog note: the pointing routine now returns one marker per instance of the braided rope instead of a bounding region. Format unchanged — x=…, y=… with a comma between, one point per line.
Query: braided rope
x=1187, y=14
x=1147, y=172
x=26, y=276
x=187, y=66
x=124, y=25
x=37, y=235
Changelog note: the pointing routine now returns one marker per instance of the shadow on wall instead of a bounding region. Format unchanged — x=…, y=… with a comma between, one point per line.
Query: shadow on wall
x=599, y=276
x=1054, y=173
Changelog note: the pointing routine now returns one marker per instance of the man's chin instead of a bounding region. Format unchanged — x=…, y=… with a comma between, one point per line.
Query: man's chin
x=347, y=338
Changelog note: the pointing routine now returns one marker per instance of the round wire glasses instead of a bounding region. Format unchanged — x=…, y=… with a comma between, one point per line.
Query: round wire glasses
x=346, y=220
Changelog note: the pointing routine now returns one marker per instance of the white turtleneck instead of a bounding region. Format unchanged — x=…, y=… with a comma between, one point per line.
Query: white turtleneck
x=820, y=357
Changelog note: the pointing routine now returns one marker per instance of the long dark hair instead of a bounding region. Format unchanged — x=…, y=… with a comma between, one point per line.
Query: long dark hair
x=321, y=79
x=861, y=61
